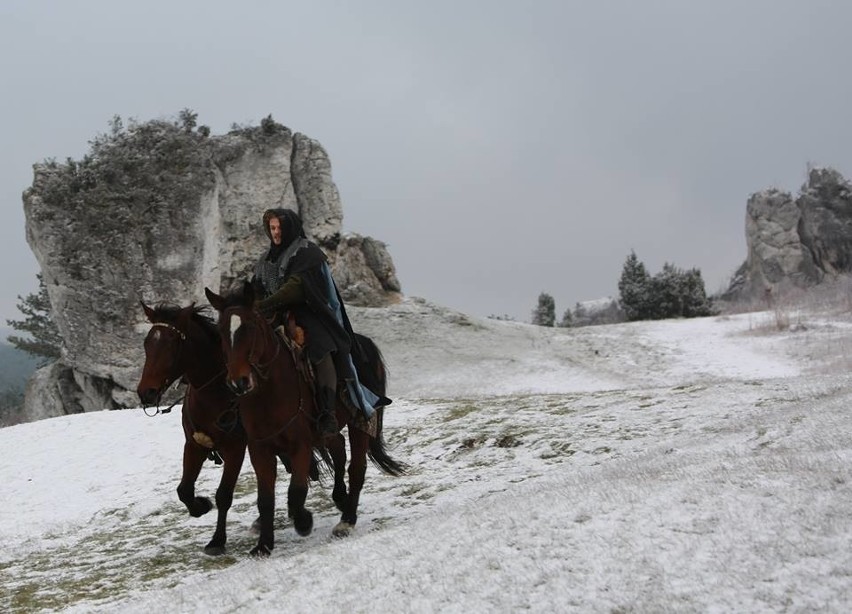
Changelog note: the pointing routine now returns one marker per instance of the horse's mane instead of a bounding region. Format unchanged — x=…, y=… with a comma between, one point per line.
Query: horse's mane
x=236, y=297
x=166, y=312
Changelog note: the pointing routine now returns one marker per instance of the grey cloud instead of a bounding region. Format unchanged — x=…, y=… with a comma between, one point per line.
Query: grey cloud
x=500, y=148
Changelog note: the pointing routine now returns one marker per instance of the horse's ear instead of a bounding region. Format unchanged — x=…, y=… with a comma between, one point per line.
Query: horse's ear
x=149, y=313
x=217, y=301
x=248, y=292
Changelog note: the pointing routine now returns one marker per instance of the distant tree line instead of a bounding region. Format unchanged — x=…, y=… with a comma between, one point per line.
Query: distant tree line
x=671, y=293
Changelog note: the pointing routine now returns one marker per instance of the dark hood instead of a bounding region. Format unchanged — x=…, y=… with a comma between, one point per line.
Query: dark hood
x=291, y=229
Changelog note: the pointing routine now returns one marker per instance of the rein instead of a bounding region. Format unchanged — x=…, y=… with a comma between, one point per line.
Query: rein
x=177, y=383
x=263, y=369
x=211, y=380
x=182, y=380
x=182, y=336
x=168, y=409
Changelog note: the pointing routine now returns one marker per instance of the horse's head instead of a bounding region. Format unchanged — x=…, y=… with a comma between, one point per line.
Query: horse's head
x=164, y=355
x=245, y=338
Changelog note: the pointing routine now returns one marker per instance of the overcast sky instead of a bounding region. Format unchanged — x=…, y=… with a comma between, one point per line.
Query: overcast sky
x=500, y=148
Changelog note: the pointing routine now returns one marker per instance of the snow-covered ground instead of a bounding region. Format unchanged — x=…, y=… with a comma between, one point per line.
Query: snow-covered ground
x=676, y=466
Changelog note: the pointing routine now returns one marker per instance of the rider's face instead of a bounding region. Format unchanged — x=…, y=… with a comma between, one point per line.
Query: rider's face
x=275, y=230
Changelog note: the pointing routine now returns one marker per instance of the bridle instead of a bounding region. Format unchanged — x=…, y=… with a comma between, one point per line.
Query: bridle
x=175, y=361
x=180, y=342
x=262, y=327
x=171, y=327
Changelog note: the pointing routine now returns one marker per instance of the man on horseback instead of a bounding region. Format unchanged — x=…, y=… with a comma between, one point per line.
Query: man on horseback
x=294, y=276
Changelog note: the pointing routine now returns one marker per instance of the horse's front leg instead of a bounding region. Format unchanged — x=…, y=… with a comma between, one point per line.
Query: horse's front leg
x=193, y=458
x=359, y=442
x=265, y=468
x=297, y=493
x=233, y=455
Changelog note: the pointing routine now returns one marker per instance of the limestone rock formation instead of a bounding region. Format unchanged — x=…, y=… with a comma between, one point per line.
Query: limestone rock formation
x=796, y=242
x=157, y=212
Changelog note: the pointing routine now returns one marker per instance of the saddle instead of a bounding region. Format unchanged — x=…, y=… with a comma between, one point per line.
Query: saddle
x=294, y=338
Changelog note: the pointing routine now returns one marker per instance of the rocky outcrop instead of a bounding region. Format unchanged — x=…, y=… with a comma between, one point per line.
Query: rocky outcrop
x=796, y=242
x=157, y=212
x=826, y=224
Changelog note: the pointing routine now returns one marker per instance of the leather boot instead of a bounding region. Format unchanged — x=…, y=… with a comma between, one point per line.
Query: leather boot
x=326, y=420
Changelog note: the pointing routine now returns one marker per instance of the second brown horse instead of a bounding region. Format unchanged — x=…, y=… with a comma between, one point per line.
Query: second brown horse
x=278, y=412
x=183, y=343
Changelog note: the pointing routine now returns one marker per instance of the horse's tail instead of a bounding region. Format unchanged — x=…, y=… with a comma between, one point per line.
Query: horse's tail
x=379, y=455
x=373, y=373
x=321, y=464
x=370, y=364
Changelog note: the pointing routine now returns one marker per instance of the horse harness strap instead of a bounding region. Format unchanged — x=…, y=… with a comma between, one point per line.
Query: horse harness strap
x=233, y=423
x=281, y=337
x=175, y=329
x=294, y=338
x=295, y=350
x=263, y=369
x=168, y=409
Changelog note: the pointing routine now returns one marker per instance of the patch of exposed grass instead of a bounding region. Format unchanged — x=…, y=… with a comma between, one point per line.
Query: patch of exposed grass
x=382, y=521
x=110, y=559
x=689, y=388
x=413, y=489
x=470, y=443
x=557, y=450
x=460, y=411
x=508, y=441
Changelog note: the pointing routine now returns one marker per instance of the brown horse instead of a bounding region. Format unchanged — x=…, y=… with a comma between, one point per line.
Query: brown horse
x=184, y=343
x=278, y=411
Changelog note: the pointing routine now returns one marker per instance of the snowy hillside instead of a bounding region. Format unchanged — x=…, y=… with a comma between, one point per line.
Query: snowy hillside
x=682, y=466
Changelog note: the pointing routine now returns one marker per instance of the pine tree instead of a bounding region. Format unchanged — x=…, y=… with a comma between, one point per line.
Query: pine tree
x=667, y=293
x=695, y=301
x=545, y=313
x=44, y=340
x=634, y=289
x=188, y=119
x=567, y=320
x=676, y=293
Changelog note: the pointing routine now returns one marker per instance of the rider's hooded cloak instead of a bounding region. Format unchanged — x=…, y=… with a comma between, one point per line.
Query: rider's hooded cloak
x=299, y=262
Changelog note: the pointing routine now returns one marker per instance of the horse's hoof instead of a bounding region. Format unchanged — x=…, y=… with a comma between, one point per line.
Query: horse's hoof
x=343, y=529
x=260, y=551
x=304, y=524
x=212, y=550
x=200, y=506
